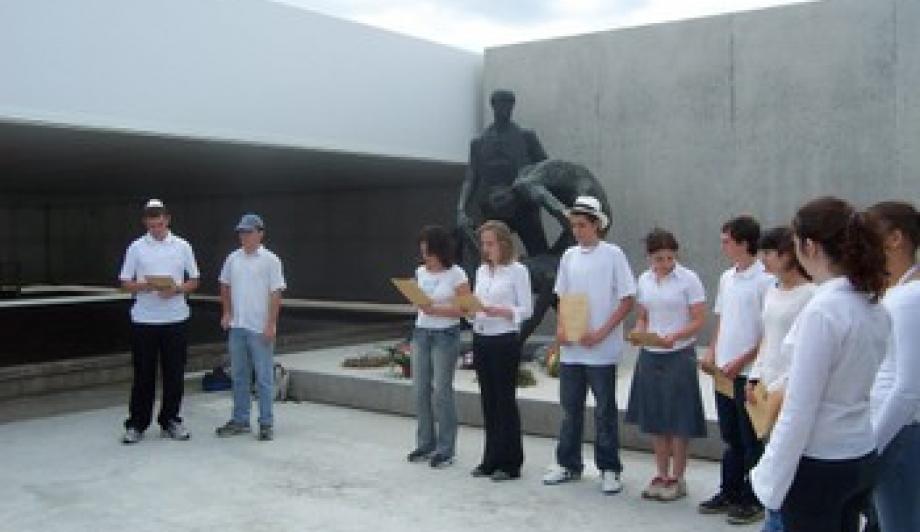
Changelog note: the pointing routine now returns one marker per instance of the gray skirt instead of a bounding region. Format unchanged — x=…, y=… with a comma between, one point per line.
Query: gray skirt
x=665, y=394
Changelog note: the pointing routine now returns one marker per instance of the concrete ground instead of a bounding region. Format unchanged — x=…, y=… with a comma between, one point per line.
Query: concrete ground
x=330, y=469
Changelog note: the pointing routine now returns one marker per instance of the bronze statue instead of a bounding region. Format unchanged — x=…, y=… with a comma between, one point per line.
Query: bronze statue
x=496, y=158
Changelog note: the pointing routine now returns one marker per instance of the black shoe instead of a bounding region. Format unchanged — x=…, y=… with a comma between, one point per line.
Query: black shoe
x=418, y=455
x=500, y=475
x=481, y=471
x=745, y=514
x=718, y=504
x=439, y=460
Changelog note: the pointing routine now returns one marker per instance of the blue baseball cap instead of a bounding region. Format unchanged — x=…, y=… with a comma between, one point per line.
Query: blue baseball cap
x=250, y=222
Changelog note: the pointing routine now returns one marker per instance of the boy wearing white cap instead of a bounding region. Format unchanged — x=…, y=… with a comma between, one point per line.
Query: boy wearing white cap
x=251, y=282
x=159, y=269
x=598, y=271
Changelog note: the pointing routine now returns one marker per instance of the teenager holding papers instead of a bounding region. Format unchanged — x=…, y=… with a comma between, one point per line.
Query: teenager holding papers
x=665, y=396
x=435, y=348
x=503, y=288
x=737, y=335
x=820, y=462
x=784, y=301
x=895, y=398
x=599, y=271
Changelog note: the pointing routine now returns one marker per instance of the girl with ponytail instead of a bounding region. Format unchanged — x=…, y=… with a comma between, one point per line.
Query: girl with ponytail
x=820, y=462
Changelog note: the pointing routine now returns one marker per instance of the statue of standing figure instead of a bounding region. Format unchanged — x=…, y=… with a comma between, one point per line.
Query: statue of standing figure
x=496, y=158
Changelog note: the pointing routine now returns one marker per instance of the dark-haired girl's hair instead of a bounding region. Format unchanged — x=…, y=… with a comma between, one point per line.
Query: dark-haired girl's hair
x=780, y=240
x=851, y=239
x=899, y=216
x=439, y=243
x=659, y=239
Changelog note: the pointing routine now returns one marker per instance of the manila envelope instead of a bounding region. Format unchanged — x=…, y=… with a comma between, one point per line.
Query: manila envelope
x=721, y=382
x=411, y=290
x=469, y=303
x=765, y=411
x=573, y=311
x=160, y=282
x=649, y=339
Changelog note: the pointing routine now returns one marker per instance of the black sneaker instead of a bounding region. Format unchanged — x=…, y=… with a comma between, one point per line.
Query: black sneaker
x=718, y=504
x=418, y=455
x=175, y=430
x=745, y=514
x=481, y=471
x=440, y=460
x=501, y=475
x=266, y=433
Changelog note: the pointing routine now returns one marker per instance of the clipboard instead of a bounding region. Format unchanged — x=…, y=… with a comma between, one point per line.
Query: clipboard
x=160, y=282
x=411, y=291
x=765, y=411
x=721, y=382
x=468, y=303
x=573, y=311
x=644, y=339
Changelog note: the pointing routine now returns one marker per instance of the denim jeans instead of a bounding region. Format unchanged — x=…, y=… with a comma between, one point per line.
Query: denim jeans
x=574, y=381
x=897, y=491
x=773, y=522
x=434, y=360
x=742, y=448
x=250, y=351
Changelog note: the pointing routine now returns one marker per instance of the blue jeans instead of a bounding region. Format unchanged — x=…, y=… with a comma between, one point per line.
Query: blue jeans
x=574, y=381
x=434, y=359
x=250, y=351
x=897, y=490
x=773, y=522
x=742, y=448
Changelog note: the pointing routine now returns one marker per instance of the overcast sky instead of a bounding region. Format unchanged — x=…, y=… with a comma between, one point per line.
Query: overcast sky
x=478, y=24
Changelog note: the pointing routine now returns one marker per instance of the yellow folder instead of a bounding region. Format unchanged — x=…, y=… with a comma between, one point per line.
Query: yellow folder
x=765, y=410
x=573, y=311
x=412, y=291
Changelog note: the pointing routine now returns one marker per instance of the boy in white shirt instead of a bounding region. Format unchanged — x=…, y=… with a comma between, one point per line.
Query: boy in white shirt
x=251, y=283
x=739, y=304
x=598, y=270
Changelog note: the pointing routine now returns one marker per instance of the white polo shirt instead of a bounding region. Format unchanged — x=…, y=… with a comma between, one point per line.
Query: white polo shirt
x=667, y=302
x=171, y=256
x=837, y=344
x=603, y=274
x=739, y=305
x=252, y=278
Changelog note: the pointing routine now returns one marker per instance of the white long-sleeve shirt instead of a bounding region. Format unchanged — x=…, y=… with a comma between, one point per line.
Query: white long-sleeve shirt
x=503, y=286
x=837, y=344
x=896, y=392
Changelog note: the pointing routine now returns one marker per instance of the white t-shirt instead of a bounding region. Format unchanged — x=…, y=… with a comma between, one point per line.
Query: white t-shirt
x=603, y=274
x=171, y=256
x=895, y=398
x=667, y=302
x=252, y=279
x=739, y=305
x=836, y=343
x=779, y=311
x=503, y=286
x=441, y=287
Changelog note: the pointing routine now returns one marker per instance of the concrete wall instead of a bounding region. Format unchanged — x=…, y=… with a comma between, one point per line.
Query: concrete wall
x=689, y=123
x=336, y=245
x=247, y=70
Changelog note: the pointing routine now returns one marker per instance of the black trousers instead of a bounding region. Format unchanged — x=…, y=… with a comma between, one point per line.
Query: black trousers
x=166, y=343
x=742, y=448
x=496, y=360
x=829, y=495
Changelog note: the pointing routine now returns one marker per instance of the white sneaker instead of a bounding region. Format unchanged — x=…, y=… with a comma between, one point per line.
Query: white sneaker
x=558, y=475
x=132, y=435
x=610, y=482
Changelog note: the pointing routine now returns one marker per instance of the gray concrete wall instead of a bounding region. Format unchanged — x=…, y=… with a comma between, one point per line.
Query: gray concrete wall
x=692, y=122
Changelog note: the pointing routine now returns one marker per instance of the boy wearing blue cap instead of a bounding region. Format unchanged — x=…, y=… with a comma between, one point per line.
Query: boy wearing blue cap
x=251, y=282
